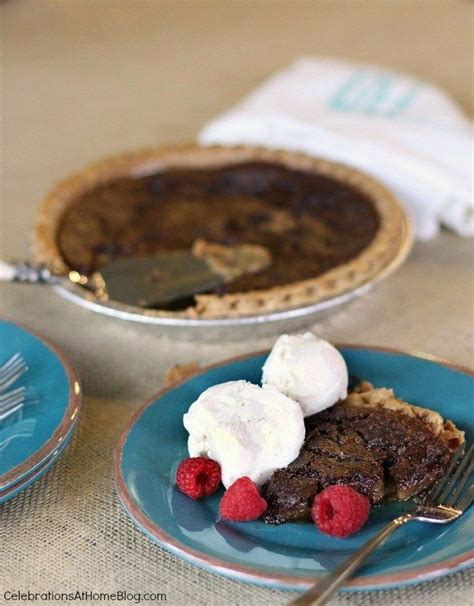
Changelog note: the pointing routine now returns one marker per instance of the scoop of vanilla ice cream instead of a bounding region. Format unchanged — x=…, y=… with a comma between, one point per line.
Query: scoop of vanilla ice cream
x=307, y=369
x=249, y=430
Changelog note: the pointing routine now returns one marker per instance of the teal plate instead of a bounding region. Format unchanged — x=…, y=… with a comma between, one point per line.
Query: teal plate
x=38, y=471
x=290, y=556
x=28, y=442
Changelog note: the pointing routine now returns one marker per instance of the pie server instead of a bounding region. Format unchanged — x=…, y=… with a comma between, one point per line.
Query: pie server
x=163, y=280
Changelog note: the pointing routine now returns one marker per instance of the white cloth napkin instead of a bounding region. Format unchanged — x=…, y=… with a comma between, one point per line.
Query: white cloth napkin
x=405, y=132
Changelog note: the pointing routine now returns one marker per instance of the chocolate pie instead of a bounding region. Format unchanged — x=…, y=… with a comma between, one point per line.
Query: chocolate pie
x=381, y=446
x=324, y=228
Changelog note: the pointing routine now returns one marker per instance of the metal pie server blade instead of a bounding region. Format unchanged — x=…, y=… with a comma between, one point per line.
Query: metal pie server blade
x=161, y=280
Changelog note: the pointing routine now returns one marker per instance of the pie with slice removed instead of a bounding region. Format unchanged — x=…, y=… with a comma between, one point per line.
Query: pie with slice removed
x=322, y=228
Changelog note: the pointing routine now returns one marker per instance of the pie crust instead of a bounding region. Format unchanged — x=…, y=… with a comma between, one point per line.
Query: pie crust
x=366, y=396
x=180, y=372
x=386, y=251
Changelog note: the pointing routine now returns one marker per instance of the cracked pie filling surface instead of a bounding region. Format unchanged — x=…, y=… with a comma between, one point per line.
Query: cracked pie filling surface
x=286, y=230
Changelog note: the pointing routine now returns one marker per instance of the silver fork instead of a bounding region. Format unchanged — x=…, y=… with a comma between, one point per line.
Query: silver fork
x=11, y=371
x=15, y=400
x=11, y=402
x=445, y=502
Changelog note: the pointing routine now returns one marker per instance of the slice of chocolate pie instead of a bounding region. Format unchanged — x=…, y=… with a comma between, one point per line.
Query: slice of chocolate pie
x=379, y=445
x=324, y=228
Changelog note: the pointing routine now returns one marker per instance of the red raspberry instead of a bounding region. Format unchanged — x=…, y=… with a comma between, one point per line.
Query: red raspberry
x=340, y=510
x=242, y=502
x=198, y=476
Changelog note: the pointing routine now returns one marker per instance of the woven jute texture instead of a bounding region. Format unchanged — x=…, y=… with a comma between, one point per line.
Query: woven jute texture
x=88, y=78
x=69, y=532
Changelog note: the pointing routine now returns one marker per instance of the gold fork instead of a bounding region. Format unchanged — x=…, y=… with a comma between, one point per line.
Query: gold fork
x=446, y=501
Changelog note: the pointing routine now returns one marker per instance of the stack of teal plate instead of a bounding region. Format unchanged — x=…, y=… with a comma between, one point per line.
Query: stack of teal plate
x=32, y=440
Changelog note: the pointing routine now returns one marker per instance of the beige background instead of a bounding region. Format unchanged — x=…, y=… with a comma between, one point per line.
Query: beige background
x=84, y=78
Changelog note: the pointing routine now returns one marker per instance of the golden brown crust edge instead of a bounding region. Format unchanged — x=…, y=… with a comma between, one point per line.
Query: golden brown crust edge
x=179, y=372
x=365, y=395
x=388, y=249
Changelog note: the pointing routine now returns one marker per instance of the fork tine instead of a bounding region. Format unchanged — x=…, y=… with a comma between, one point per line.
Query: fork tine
x=12, y=362
x=4, y=415
x=431, y=496
x=20, y=392
x=459, y=486
x=10, y=394
x=13, y=402
x=10, y=371
x=448, y=486
x=466, y=501
x=9, y=362
x=16, y=361
x=12, y=377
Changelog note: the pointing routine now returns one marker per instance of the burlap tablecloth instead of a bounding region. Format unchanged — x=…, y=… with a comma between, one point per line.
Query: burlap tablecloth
x=84, y=78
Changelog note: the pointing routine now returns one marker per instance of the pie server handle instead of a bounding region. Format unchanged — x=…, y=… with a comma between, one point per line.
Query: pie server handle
x=323, y=590
x=129, y=280
x=26, y=272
